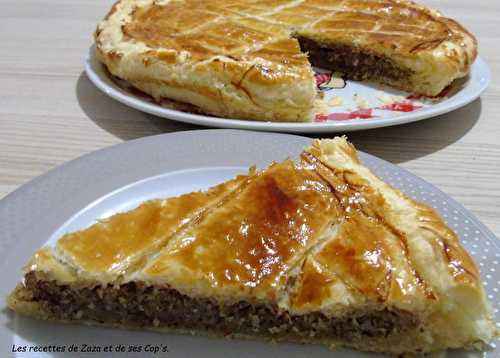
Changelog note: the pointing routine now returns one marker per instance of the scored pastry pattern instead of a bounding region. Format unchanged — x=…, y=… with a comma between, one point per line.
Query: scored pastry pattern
x=253, y=28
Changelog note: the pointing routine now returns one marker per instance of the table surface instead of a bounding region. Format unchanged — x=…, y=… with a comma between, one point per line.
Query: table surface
x=50, y=113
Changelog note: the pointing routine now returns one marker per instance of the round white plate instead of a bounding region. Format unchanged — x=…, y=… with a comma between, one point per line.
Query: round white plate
x=356, y=106
x=117, y=178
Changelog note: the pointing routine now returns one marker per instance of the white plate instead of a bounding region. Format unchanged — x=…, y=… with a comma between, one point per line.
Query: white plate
x=369, y=96
x=117, y=178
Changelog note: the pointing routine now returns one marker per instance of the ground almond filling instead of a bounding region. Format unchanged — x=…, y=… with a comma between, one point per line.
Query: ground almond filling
x=354, y=63
x=140, y=305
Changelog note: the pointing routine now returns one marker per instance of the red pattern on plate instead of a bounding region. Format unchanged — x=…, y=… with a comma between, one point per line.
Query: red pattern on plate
x=400, y=107
x=322, y=78
x=360, y=114
x=368, y=112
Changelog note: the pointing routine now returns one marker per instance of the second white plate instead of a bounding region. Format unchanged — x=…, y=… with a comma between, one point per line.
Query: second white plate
x=122, y=176
x=356, y=106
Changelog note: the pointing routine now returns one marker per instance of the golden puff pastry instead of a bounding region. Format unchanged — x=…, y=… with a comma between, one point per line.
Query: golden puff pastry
x=251, y=59
x=318, y=251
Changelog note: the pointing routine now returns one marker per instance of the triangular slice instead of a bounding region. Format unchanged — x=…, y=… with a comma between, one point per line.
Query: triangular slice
x=319, y=251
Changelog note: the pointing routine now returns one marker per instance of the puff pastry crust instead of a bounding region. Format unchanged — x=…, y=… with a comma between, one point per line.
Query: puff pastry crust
x=243, y=59
x=316, y=251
